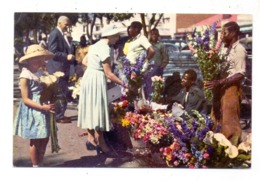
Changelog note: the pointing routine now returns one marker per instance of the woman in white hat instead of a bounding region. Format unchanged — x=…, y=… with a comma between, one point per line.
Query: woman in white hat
x=32, y=117
x=93, y=112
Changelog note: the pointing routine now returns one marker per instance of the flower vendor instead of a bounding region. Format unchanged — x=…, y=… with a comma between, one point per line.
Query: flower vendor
x=227, y=90
x=191, y=96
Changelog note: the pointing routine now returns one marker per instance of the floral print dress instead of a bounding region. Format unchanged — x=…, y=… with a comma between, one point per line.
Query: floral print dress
x=30, y=123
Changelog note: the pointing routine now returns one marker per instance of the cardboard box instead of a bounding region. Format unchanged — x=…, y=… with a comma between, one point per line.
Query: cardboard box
x=114, y=93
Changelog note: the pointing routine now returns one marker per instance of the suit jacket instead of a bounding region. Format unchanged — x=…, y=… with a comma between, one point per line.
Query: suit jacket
x=58, y=45
x=196, y=100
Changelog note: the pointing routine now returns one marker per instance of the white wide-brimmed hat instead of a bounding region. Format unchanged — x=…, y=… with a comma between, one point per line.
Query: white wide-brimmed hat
x=36, y=52
x=109, y=30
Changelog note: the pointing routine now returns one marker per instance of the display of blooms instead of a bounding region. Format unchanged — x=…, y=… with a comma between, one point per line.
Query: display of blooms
x=184, y=141
x=187, y=149
x=158, y=86
x=205, y=48
x=150, y=128
x=52, y=94
x=195, y=145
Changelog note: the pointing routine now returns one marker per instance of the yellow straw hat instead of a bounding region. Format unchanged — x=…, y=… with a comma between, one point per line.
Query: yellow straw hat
x=36, y=52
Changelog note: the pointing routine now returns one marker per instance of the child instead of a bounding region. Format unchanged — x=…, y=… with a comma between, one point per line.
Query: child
x=32, y=117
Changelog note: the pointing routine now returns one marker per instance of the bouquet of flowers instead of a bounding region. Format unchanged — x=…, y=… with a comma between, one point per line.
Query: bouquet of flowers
x=158, y=86
x=206, y=49
x=51, y=94
x=131, y=70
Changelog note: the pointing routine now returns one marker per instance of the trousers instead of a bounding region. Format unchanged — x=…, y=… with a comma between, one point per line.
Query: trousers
x=226, y=112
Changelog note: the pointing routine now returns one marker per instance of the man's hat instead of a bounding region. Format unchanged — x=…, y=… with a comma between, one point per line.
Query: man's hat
x=36, y=52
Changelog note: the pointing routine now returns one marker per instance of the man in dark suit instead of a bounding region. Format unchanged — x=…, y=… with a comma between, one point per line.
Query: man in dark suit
x=191, y=97
x=59, y=45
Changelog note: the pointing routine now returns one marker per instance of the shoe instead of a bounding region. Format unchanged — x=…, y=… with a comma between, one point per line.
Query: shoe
x=111, y=154
x=64, y=120
x=90, y=146
x=99, y=150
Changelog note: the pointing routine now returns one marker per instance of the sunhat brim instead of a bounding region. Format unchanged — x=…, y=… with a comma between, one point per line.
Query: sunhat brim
x=110, y=33
x=36, y=56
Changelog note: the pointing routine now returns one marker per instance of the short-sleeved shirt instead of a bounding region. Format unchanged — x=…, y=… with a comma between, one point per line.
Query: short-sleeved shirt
x=236, y=59
x=136, y=47
x=161, y=56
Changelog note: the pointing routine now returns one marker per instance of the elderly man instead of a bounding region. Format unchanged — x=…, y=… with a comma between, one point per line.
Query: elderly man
x=227, y=91
x=59, y=45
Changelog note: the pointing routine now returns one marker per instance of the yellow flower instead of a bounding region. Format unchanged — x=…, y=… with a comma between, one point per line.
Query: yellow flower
x=125, y=122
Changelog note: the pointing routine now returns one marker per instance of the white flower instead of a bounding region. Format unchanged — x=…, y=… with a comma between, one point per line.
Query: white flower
x=58, y=74
x=222, y=140
x=246, y=145
x=48, y=79
x=231, y=151
x=208, y=138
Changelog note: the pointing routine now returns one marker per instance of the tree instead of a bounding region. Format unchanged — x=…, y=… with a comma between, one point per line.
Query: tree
x=89, y=19
x=38, y=22
x=152, y=22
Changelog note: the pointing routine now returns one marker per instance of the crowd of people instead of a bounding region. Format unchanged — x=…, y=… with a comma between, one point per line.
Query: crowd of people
x=93, y=65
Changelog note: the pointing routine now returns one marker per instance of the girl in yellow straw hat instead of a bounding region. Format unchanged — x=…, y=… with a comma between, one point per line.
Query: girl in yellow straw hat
x=32, y=117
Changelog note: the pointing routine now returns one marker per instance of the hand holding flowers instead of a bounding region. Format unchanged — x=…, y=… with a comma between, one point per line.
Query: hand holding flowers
x=50, y=94
x=206, y=49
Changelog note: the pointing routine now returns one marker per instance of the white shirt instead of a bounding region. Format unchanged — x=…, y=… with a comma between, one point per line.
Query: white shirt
x=236, y=58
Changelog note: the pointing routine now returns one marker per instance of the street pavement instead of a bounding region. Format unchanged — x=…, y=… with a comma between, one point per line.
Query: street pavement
x=73, y=151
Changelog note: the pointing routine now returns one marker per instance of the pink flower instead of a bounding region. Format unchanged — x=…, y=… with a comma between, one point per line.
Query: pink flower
x=133, y=75
x=191, y=166
x=187, y=155
x=206, y=156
